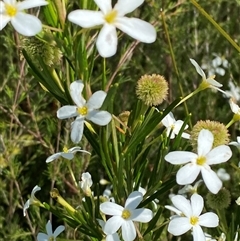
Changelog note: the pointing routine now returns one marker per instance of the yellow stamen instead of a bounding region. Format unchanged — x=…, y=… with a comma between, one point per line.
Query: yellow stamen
x=111, y=16
x=126, y=214
x=65, y=150
x=201, y=160
x=194, y=220
x=51, y=238
x=82, y=110
x=11, y=10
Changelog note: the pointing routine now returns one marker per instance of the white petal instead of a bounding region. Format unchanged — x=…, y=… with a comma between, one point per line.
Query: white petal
x=26, y=24
x=42, y=237
x=211, y=180
x=58, y=230
x=30, y=4
x=113, y=237
x=185, y=135
x=198, y=234
x=113, y=224
x=76, y=149
x=213, y=82
x=125, y=6
x=188, y=174
x=68, y=156
x=49, y=228
x=3, y=20
x=218, y=155
x=137, y=29
x=105, y=6
x=142, y=215
x=180, y=157
x=197, y=204
x=168, y=120
x=173, y=209
x=205, y=142
x=182, y=204
x=179, y=226
x=107, y=41
x=100, y=118
x=2, y=8
x=86, y=18
x=128, y=231
x=133, y=200
x=76, y=89
x=67, y=111
x=110, y=208
x=209, y=220
x=26, y=206
x=96, y=100
x=198, y=69
x=234, y=107
x=35, y=189
x=77, y=130
x=53, y=157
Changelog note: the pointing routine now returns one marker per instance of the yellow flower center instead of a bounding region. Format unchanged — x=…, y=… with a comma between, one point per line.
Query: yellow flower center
x=201, y=160
x=111, y=16
x=51, y=238
x=194, y=220
x=126, y=214
x=11, y=10
x=65, y=150
x=82, y=110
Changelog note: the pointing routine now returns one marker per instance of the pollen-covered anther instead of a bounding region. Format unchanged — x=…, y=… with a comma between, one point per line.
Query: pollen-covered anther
x=10, y=10
x=126, y=214
x=194, y=220
x=82, y=110
x=201, y=160
x=111, y=16
x=65, y=150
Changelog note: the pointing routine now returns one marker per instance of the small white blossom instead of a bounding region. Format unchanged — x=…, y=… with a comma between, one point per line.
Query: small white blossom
x=234, y=91
x=86, y=183
x=124, y=216
x=174, y=126
x=84, y=110
x=109, y=237
x=67, y=154
x=200, y=162
x=222, y=237
x=31, y=200
x=223, y=175
x=236, y=143
x=50, y=235
x=209, y=82
x=238, y=201
x=112, y=18
x=209, y=237
x=189, y=188
x=14, y=12
x=188, y=217
x=234, y=107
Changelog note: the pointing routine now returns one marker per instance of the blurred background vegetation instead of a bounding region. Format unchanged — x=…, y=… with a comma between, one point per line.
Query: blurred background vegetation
x=30, y=131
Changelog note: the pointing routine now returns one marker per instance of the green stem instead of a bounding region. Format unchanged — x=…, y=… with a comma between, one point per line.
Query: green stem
x=72, y=174
x=232, y=121
x=216, y=25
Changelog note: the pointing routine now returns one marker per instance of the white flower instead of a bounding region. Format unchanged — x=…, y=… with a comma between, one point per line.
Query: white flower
x=31, y=200
x=109, y=237
x=222, y=237
x=67, y=154
x=201, y=162
x=174, y=126
x=236, y=143
x=234, y=91
x=84, y=110
x=209, y=237
x=238, y=201
x=234, y=107
x=112, y=18
x=223, y=175
x=124, y=216
x=188, y=217
x=86, y=183
x=209, y=82
x=189, y=188
x=50, y=235
x=13, y=11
